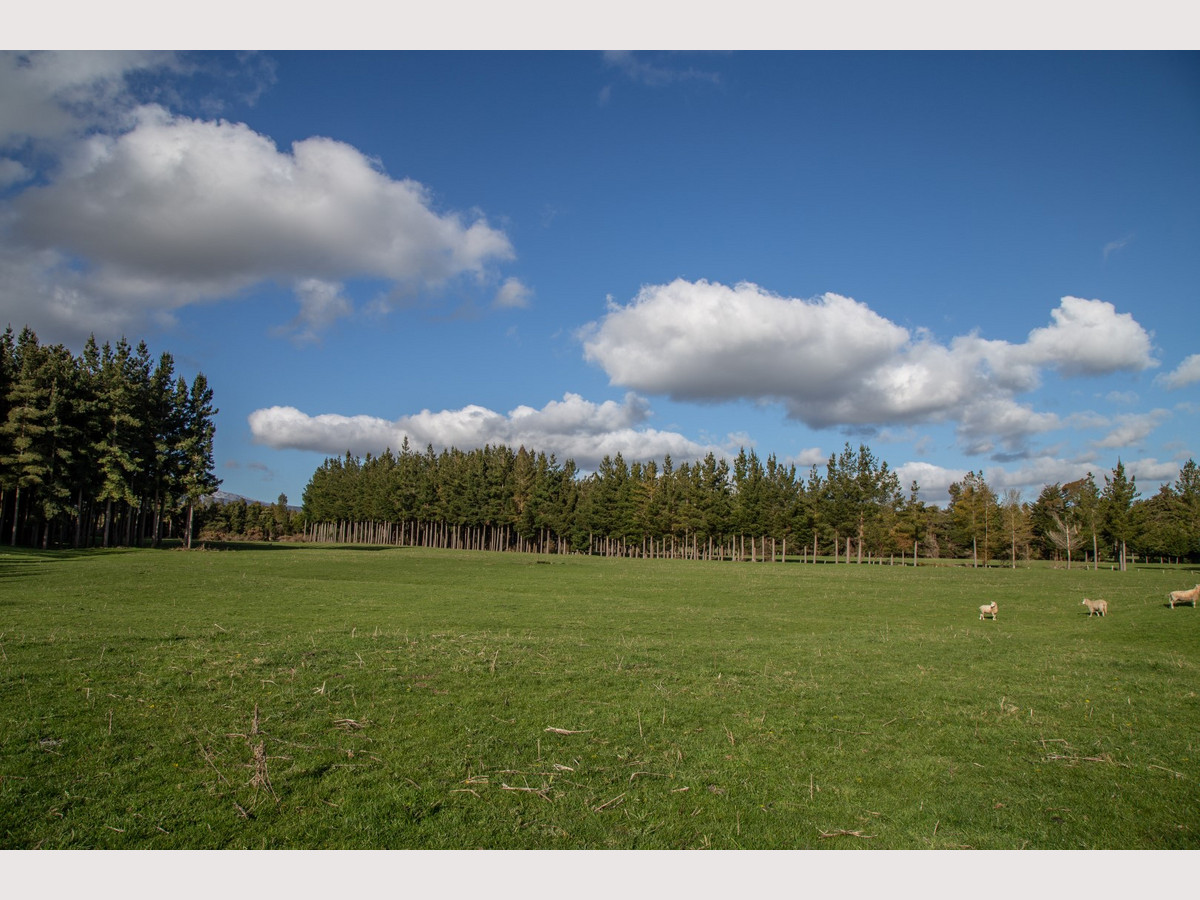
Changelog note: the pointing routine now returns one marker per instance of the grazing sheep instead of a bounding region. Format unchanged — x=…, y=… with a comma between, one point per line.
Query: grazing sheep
x=1184, y=597
x=1096, y=607
x=989, y=610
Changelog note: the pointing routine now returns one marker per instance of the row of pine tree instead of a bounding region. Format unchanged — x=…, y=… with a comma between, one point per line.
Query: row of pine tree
x=112, y=447
x=498, y=498
x=106, y=448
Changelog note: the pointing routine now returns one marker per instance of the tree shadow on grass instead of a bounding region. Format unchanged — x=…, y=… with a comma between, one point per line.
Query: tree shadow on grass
x=22, y=562
x=295, y=547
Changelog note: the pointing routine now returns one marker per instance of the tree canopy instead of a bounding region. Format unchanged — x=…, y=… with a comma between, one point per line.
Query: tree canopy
x=497, y=497
x=107, y=447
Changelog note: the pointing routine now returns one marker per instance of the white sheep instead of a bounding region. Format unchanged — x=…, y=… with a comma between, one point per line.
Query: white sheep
x=1184, y=597
x=1096, y=607
x=989, y=610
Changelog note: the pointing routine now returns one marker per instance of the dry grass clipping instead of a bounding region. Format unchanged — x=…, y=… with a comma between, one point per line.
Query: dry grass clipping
x=261, y=779
x=842, y=832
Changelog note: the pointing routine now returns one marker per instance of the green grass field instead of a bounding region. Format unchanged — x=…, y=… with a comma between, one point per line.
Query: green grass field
x=302, y=697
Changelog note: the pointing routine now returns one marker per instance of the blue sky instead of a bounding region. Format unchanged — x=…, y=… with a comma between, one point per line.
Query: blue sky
x=968, y=261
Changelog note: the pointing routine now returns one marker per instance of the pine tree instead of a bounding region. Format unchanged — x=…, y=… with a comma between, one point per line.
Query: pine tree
x=1187, y=489
x=857, y=490
x=61, y=439
x=1016, y=522
x=1084, y=504
x=26, y=464
x=8, y=374
x=975, y=515
x=1116, y=514
x=196, y=448
x=116, y=450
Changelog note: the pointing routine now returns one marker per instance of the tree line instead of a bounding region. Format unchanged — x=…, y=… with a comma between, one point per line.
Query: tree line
x=106, y=448
x=111, y=447
x=851, y=509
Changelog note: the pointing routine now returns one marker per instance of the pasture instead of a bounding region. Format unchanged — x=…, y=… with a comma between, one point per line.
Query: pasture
x=285, y=696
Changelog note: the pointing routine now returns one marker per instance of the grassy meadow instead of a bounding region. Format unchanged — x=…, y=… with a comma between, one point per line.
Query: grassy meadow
x=285, y=696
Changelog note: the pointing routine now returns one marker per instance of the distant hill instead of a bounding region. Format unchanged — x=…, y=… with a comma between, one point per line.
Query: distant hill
x=226, y=497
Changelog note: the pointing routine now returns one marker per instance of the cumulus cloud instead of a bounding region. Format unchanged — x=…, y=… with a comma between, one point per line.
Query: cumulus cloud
x=1088, y=337
x=701, y=341
x=832, y=361
x=571, y=428
x=157, y=211
x=217, y=203
x=1188, y=372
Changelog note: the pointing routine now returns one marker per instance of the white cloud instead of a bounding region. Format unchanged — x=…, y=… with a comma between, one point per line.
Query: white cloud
x=806, y=459
x=1033, y=475
x=1188, y=372
x=571, y=428
x=933, y=481
x=1132, y=429
x=321, y=304
x=997, y=424
x=705, y=341
x=1029, y=478
x=1088, y=337
x=513, y=294
x=1149, y=471
x=153, y=211
x=201, y=201
x=832, y=361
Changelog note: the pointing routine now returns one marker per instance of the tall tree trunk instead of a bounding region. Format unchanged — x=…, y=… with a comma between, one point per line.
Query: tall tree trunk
x=16, y=517
x=158, y=505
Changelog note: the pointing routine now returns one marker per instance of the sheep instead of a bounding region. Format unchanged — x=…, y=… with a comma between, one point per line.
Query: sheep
x=989, y=610
x=1096, y=607
x=1184, y=597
